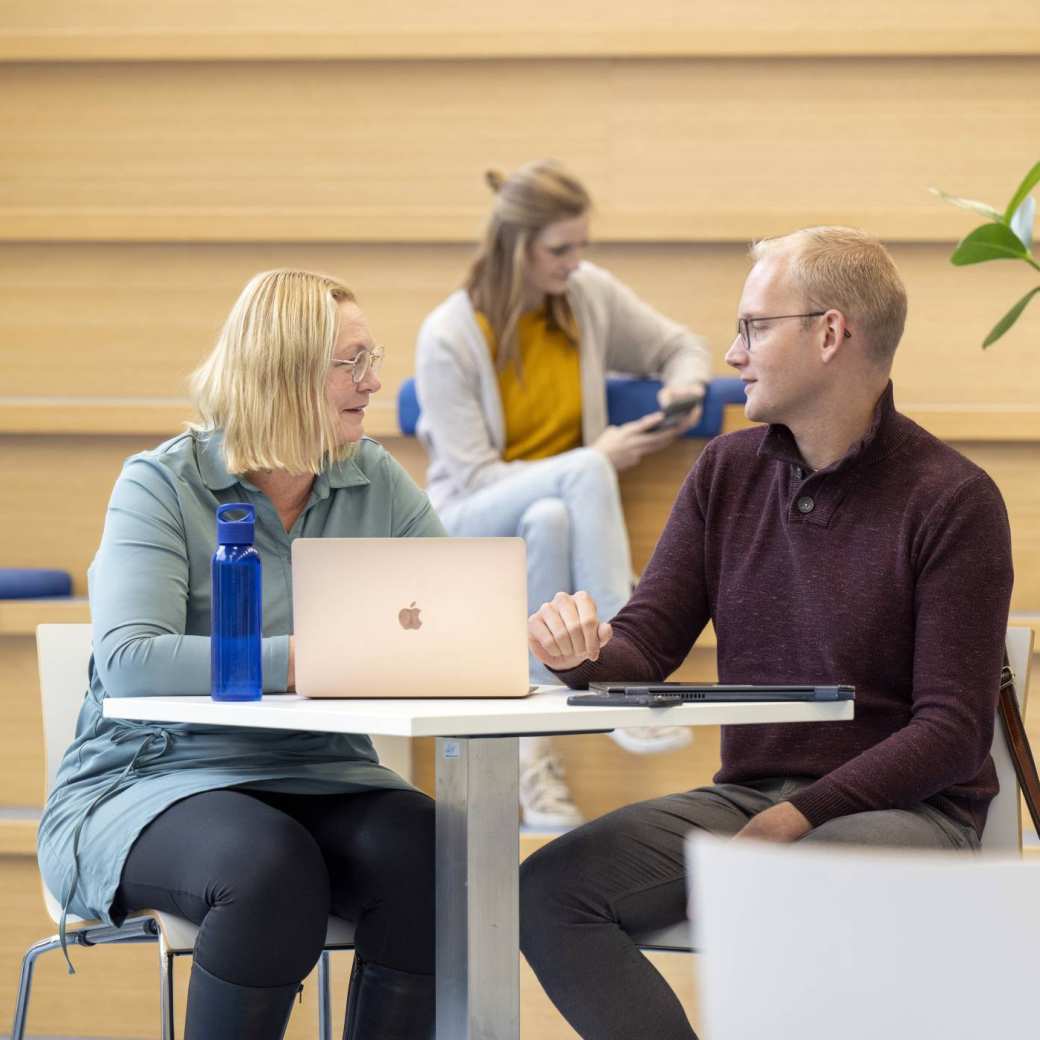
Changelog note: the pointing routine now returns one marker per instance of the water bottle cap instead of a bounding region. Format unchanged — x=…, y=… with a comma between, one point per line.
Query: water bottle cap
x=238, y=531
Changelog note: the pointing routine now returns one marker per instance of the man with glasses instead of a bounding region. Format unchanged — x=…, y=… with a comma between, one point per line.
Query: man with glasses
x=838, y=543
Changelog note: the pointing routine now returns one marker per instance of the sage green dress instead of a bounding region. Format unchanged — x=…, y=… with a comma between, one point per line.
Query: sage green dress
x=150, y=610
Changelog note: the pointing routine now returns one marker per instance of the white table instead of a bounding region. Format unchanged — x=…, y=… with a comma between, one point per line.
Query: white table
x=477, y=853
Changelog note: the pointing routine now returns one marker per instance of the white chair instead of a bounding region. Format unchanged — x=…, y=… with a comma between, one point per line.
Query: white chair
x=1003, y=832
x=63, y=653
x=819, y=942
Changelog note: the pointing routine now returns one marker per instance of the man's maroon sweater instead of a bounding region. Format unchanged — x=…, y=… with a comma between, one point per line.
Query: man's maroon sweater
x=889, y=569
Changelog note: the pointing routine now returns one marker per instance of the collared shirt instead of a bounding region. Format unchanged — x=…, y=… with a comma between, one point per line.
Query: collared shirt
x=150, y=610
x=889, y=569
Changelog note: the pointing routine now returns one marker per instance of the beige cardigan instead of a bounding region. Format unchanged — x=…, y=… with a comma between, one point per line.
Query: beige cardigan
x=461, y=424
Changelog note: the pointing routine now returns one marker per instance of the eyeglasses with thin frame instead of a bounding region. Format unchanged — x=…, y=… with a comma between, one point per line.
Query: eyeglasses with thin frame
x=744, y=325
x=363, y=362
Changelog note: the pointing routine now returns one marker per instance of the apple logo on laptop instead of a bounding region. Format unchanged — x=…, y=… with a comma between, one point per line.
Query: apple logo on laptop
x=409, y=616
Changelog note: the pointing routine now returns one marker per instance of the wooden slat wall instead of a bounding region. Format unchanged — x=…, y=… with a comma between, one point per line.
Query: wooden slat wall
x=128, y=322
x=675, y=150
x=312, y=30
x=157, y=156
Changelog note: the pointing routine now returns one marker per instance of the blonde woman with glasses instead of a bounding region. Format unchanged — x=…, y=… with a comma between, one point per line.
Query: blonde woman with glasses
x=511, y=375
x=254, y=835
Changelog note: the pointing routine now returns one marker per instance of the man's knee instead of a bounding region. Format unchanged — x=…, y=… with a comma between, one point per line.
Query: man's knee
x=548, y=519
x=553, y=879
x=542, y=892
x=569, y=881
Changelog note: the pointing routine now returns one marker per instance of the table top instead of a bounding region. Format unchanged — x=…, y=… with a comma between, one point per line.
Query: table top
x=545, y=711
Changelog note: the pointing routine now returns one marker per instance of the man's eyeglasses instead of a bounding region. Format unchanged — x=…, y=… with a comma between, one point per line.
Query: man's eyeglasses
x=363, y=362
x=744, y=325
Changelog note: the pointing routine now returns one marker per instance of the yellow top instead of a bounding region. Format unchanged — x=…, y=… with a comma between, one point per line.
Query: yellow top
x=543, y=409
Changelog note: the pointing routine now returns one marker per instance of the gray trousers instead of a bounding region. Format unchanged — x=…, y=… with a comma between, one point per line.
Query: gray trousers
x=582, y=895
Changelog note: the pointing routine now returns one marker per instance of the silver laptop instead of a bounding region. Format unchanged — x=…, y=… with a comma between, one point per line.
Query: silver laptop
x=410, y=617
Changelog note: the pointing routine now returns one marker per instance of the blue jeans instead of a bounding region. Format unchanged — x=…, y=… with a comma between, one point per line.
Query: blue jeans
x=568, y=511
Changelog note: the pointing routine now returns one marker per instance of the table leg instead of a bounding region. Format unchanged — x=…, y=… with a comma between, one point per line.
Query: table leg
x=478, y=851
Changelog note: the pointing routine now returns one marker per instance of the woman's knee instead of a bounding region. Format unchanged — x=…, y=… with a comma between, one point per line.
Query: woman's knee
x=268, y=915
x=392, y=859
x=391, y=894
x=395, y=833
x=548, y=519
x=593, y=467
x=285, y=864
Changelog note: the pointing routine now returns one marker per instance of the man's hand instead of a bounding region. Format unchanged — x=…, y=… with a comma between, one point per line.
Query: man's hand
x=567, y=631
x=626, y=444
x=781, y=822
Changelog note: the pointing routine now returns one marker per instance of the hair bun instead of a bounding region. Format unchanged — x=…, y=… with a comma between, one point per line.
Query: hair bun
x=495, y=179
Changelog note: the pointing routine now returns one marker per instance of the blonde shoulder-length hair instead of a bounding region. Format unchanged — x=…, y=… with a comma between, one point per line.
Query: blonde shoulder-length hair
x=531, y=198
x=264, y=382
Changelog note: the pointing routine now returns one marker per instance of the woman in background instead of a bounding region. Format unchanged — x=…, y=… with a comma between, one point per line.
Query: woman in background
x=254, y=835
x=511, y=376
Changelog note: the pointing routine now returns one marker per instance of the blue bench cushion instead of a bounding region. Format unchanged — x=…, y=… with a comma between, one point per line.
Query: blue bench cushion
x=33, y=583
x=407, y=408
x=627, y=399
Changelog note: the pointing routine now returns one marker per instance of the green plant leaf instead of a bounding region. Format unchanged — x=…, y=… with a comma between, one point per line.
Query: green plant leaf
x=989, y=242
x=1029, y=182
x=982, y=208
x=1009, y=319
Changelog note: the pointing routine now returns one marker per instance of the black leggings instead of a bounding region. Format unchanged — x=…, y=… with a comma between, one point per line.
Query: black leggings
x=260, y=872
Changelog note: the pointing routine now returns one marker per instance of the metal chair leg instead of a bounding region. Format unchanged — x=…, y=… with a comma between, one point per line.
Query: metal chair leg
x=166, y=1002
x=21, y=1007
x=324, y=998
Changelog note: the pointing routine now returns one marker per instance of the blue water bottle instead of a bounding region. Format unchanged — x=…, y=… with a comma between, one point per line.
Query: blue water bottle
x=237, y=622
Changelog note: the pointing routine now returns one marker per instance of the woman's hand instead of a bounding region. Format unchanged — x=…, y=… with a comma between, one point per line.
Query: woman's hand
x=625, y=445
x=565, y=632
x=682, y=392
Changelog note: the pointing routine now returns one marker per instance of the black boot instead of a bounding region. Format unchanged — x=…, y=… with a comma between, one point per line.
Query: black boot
x=384, y=1004
x=219, y=1010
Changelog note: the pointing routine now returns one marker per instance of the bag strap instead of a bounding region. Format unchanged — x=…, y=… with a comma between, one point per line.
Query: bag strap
x=1018, y=742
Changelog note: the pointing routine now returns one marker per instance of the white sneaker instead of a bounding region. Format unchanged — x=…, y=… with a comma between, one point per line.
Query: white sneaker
x=652, y=740
x=545, y=799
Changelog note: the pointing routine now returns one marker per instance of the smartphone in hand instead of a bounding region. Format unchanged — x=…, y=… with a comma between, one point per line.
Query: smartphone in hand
x=675, y=413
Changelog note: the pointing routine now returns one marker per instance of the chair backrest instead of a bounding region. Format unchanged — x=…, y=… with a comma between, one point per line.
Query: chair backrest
x=821, y=942
x=63, y=656
x=1003, y=832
